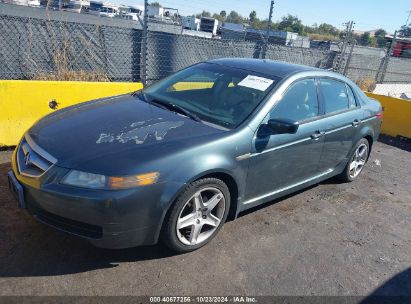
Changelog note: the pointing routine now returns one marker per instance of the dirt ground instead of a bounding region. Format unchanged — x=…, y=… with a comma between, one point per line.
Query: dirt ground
x=330, y=239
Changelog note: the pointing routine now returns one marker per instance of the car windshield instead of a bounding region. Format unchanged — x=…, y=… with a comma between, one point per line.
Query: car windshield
x=214, y=93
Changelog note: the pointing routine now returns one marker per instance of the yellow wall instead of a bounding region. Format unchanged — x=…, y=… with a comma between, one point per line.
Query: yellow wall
x=396, y=119
x=22, y=102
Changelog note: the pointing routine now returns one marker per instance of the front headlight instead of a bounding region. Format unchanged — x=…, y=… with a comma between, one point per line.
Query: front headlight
x=97, y=181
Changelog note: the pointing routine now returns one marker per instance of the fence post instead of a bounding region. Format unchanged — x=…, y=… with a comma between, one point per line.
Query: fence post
x=387, y=58
x=143, y=59
x=347, y=63
x=347, y=38
x=102, y=39
x=265, y=42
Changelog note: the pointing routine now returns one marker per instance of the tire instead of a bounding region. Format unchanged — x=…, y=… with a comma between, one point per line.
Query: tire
x=194, y=213
x=357, y=161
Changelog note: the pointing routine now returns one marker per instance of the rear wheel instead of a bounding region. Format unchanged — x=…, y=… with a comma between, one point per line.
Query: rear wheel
x=197, y=215
x=357, y=161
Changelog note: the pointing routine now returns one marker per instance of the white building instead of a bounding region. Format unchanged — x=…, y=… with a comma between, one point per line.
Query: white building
x=109, y=10
x=78, y=5
x=26, y=2
x=155, y=11
x=190, y=23
x=209, y=25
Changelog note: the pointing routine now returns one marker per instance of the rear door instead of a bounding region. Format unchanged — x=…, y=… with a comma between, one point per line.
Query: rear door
x=341, y=120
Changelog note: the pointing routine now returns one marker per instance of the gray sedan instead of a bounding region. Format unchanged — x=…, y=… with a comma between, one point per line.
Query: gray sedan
x=172, y=162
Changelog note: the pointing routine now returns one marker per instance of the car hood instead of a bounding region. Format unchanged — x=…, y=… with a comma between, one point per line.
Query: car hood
x=114, y=135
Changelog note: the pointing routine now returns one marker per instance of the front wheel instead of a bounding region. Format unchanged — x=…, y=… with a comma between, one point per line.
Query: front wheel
x=357, y=161
x=197, y=215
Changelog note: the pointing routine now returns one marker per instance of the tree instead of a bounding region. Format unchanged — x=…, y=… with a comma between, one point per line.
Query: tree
x=203, y=14
x=311, y=29
x=234, y=17
x=365, y=39
x=380, y=38
x=291, y=23
x=218, y=17
x=380, y=32
x=405, y=31
x=155, y=4
x=328, y=29
x=253, y=16
x=223, y=14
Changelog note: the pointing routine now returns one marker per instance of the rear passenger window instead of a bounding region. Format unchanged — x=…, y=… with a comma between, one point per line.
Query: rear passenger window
x=351, y=97
x=335, y=95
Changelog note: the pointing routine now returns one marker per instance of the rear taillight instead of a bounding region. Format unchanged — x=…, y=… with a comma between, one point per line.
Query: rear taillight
x=379, y=115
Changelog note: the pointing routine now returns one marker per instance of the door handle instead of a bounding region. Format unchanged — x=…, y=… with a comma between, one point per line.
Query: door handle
x=317, y=135
x=356, y=123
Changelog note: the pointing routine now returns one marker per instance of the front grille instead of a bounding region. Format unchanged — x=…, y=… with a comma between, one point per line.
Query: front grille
x=31, y=159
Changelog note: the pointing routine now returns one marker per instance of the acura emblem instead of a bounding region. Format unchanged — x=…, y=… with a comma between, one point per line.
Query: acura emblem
x=27, y=159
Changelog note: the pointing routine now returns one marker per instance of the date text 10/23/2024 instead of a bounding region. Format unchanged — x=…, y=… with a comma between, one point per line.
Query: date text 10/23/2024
x=203, y=299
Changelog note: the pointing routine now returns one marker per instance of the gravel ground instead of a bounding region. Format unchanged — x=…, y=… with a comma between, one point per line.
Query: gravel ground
x=331, y=239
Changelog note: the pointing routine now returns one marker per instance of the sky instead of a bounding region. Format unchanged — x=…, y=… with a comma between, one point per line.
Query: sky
x=367, y=14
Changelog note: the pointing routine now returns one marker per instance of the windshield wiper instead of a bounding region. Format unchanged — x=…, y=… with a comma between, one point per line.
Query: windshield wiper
x=175, y=108
x=165, y=105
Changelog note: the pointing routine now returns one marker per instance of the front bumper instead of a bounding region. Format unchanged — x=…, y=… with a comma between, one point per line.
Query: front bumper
x=108, y=219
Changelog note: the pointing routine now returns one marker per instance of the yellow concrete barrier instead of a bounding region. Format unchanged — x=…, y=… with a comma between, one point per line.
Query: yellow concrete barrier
x=396, y=119
x=22, y=102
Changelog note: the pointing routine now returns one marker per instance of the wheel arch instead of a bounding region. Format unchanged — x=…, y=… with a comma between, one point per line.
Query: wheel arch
x=370, y=140
x=227, y=178
x=220, y=174
x=232, y=187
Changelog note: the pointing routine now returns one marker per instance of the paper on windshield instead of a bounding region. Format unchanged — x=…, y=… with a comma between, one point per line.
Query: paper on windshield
x=255, y=82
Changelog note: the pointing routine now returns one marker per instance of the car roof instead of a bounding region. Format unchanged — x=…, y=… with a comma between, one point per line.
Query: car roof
x=264, y=66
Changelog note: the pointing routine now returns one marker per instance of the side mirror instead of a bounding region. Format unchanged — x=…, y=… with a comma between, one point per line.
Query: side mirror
x=283, y=126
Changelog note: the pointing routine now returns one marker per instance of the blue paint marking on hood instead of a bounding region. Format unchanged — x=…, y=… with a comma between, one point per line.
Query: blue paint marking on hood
x=104, y=135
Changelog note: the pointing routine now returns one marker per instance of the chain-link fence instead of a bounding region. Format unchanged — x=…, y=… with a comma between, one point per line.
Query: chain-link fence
x=42, y=44
x=167, y=53
x=378, y=65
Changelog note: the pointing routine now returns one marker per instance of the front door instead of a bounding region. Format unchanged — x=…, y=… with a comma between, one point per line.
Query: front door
x=281, y=161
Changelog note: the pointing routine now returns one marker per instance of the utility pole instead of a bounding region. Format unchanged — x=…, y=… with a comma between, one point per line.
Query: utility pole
x=347, y=39
x=387, y=57
x=347, y=64
x=408, y=18
x=143, y=67
x=348, y=34
x=270, y=17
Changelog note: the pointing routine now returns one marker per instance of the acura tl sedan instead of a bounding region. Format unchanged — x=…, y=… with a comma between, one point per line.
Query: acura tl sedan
x=173, y=161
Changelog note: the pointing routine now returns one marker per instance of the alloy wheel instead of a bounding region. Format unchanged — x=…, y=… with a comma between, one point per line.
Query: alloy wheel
x=200, y=216
x=358, y=160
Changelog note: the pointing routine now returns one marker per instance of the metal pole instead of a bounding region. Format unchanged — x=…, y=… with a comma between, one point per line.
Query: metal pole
x=270, y=16
x=143, y=59
x=387, y=58
x=347, y=64
x=345, y=43
x=408, y=18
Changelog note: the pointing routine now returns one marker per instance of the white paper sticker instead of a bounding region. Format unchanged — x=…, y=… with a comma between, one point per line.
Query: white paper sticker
x=255, y=82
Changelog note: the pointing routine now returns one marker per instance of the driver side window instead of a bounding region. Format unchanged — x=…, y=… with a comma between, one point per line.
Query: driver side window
x=300, y=102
